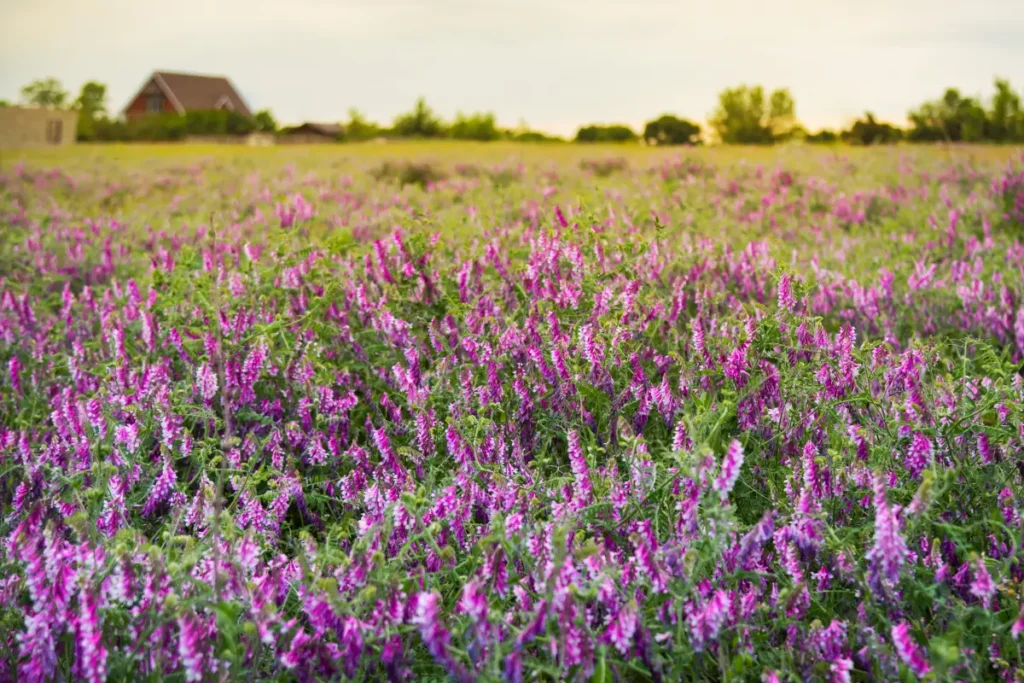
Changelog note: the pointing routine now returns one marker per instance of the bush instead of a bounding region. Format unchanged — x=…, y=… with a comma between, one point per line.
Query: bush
x=604, y=167
x=670, y=130
x=421, y=173
x=613, y=133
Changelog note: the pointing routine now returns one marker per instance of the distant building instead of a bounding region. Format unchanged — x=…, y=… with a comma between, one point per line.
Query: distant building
x=312, y=133
x=37, y=127
x=166, y=92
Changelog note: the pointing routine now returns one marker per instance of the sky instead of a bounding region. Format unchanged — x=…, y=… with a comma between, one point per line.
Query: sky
x=555, y=64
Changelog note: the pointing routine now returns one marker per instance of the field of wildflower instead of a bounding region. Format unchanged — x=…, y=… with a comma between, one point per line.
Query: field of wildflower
x=445, y=413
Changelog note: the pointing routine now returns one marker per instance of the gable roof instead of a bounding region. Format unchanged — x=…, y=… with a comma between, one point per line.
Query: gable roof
x=196, y=92
x=332, y=130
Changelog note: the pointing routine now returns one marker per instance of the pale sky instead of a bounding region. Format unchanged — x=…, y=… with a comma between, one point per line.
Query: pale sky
x=554, y=63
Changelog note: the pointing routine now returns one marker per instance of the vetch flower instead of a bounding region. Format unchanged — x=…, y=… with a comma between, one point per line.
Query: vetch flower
x=732, y=463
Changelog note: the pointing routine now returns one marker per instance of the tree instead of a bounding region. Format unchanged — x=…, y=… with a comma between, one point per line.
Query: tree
x=743, y=116
x=781, y=114
x=613, y=133
x=479, y=126
x=1005, y=119
x=952, y=118
x=869, y=131
x=421, y=122
x=45, y=92
x=822, y=137
x=4, y=103
x=91, y=104
x=670, y=130
x=92, y=100
x=265, y=122
x=359, y=128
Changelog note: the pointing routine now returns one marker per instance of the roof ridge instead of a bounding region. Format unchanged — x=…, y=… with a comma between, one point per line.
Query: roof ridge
x=190, y=74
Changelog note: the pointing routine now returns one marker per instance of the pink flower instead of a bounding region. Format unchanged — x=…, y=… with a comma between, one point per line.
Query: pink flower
x=206, y=382
x=889, y=552
x=92, y=655
x=1018, y=626
x=982, y=587
x=578, y=463
x=620, y=632
x=908, y=650
x=731, y=465
x=786, y=300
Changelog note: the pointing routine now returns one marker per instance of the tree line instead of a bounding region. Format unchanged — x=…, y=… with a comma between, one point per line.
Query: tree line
x=744, y=115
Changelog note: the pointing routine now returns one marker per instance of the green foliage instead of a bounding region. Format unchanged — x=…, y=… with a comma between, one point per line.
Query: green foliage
x=603, y=168
x=173, y=127
x=359, y=128
x=869, y=131
x=1006, y=117
x=601, y=133
x=45, y=92
x=744, y=117
x=671, y=130
x=822, y=137
x=421, y=122
x=952, y=118
x=481, y=126
x=91, y=104
x=419, y=173
x=265, y=122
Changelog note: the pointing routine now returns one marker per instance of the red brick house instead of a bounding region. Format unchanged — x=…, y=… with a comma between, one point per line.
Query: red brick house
x=169, y=92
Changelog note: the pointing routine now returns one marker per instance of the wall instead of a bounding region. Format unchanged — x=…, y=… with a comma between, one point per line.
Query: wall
x=28, y=127
x=137, y=107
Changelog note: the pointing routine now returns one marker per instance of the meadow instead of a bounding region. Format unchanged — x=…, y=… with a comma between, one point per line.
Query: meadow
x=429, y=411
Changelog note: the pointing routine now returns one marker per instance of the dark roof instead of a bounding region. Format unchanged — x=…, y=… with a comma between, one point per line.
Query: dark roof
x=332, y=130
x=195, y=92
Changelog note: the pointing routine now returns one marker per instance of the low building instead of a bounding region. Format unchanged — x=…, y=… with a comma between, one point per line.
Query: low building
x=37, y=127
x=312, y=133
x=167, y=92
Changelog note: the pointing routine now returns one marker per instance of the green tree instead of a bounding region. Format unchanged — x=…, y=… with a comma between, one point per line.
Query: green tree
x=781, y=114
x=421, y=122
x=359, y=128
x=743, y=116
x=1005, y=118
x=671, y=130
x=613, y=133
x=92, y=100
x=4, y=103
x=869, y=131
x=952, y=118
x=822, y=137
x=265, y=122
x=91, y=104
x=45, y=92
x=480, y=126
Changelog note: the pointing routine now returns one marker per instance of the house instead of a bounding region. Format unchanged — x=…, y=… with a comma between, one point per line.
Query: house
x=169, y=92
x=37, y=127
x=312, y=133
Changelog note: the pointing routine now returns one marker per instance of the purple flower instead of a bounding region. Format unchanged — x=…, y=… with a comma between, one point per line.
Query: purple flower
x=919, y=456
x=191, y=645
x=889, y=552
x=786, y=300
x=982, y=587
x=578, y=463
x=92, y=664
x=426, y=617
x=731, y=465
x=621, y=630
x=206, y=382
x=1018, y=626
x=908, y=650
